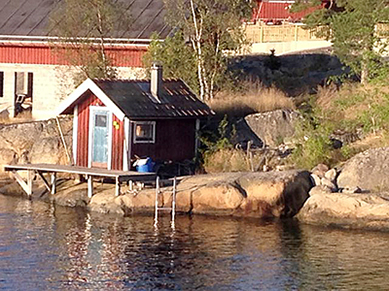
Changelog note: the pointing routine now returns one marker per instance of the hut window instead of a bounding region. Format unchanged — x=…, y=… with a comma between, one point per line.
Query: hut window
x=144, y=132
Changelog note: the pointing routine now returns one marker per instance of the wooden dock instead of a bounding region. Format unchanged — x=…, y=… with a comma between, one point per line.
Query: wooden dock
x=89, y=173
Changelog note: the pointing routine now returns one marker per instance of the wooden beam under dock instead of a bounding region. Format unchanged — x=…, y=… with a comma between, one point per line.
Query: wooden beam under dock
x=90, y=173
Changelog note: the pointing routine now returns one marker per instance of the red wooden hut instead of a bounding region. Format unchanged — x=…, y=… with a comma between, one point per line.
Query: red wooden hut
x=116, y=121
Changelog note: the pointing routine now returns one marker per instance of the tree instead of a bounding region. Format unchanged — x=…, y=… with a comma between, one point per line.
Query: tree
x=351, y=26
x=176, y=56
x=211, y=27
x=84, y=29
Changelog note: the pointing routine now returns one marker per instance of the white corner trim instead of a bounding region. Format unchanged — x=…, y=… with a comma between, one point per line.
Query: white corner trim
x=88, y=84
x=126, y=145
x=75, y=133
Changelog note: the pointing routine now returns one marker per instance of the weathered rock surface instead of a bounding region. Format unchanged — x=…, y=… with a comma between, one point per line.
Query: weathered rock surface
x=254, y=194
x=274, y=194
x=47, y=150
x=273, y=127
x=34, y=142
x=367, y=170
x=368, y=211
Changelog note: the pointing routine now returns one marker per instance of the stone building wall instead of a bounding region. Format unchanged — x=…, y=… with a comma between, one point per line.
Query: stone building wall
x=51, y=84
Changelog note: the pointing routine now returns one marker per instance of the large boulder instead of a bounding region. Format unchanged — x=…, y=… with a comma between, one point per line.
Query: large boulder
x=367, y=170
x=254, y=194
x=34, y=141
x=48, y=150
x=7, y=156
x=369, y=211
x=273, y=127
x=273, y=194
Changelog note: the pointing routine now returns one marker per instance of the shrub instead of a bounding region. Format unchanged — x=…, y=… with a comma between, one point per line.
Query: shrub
x=313, y=144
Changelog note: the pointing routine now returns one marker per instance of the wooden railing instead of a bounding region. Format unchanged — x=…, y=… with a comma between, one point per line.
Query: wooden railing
x=261, y=33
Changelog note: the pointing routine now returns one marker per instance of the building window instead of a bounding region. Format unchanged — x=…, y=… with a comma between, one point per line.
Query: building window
x=23, y=91
x=144, y=132
x=1, y=84
x=24, y=84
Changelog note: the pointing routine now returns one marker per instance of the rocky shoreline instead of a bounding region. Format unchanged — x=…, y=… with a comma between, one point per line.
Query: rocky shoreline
x=259, y=194
x=356, y=195
x=343, y=198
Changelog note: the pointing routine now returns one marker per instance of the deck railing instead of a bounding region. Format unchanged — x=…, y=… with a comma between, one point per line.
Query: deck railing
x=261, y=33
x=286, y=32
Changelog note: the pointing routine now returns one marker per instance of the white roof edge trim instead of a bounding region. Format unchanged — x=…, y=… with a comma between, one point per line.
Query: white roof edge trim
x=88, y=84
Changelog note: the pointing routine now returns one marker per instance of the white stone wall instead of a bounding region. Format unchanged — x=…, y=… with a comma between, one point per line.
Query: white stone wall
x=288, y=47
x=51, y=85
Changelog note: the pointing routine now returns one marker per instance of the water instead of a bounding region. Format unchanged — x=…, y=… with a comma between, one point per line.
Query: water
x=43, y=247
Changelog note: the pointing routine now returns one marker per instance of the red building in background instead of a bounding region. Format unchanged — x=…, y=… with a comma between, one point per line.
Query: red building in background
x=276, y=12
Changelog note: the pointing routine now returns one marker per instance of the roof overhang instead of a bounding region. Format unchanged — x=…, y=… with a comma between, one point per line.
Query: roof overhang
x=53, y=40
x=77, y=94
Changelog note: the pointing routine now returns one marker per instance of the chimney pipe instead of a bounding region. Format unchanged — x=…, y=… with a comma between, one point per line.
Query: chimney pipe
x=156, y=81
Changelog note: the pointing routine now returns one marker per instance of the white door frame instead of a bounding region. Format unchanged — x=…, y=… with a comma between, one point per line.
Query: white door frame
x=92, y=110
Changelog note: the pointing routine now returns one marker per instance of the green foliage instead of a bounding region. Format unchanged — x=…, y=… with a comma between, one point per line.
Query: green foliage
x=84, y=28
x=177, y=57
x=313, y=143
x=214, y=141
x=376, y=116
x=351, y=26
x=218, y=153
x=211, y=27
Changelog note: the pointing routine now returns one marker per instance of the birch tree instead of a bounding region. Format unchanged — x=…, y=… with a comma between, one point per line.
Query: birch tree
x=85, y=29
x=212, y=27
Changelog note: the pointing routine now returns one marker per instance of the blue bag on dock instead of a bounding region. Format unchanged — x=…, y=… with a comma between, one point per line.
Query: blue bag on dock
x=144, y=165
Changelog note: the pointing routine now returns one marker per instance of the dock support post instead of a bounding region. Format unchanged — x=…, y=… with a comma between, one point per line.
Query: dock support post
x=53, y=183
x=156, y=201
x=29, y=182
x=117, y=187
x=174, y=202
x=90, y=186
x=27, y=187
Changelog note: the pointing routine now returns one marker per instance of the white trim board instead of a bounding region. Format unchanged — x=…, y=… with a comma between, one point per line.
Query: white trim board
x=75, y=134
x=88, y=84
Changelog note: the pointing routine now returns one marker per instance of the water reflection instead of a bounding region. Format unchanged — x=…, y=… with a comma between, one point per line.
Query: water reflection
x=45, y=247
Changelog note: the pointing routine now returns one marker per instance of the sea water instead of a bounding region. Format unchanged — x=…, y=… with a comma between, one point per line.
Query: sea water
x=46, y=247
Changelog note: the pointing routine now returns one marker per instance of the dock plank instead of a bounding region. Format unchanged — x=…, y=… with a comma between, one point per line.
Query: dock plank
x=50, y=168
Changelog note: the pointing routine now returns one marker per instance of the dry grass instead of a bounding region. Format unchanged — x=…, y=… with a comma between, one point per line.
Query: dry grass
x=350, y=101
x=325, y=96
x=255, y=99
x=227, y=160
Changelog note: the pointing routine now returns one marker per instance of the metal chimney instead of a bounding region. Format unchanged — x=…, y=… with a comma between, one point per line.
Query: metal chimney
x=156, y=81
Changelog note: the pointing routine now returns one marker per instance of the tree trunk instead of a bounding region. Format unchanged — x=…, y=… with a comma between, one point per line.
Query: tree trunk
x=197, y=47
x=364, y=69
x=364, y=75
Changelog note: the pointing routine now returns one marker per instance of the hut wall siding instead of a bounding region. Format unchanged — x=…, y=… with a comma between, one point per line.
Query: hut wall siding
x=117, y=143
x=83, y=128
x=174, y=141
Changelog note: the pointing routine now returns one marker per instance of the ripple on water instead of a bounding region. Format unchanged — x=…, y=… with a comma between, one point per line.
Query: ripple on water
x=46, y=248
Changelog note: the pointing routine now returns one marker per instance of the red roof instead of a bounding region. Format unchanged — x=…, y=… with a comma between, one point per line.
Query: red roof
x=273, y=11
